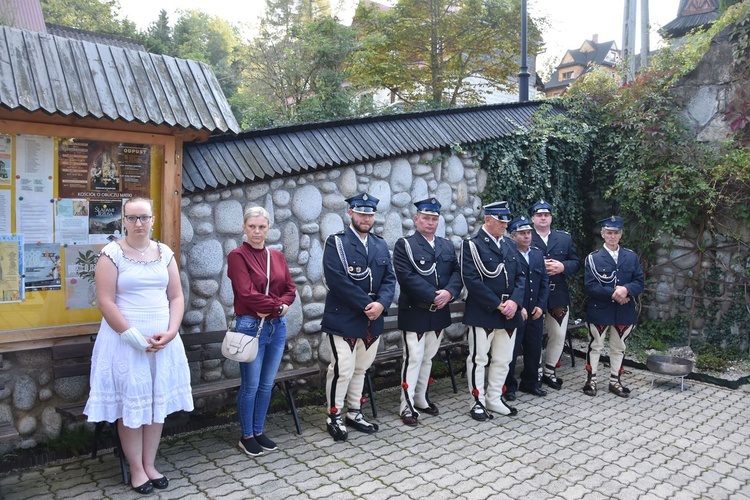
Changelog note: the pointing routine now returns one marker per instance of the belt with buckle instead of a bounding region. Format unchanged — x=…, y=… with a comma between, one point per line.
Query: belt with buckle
x=551, y=287
x=432, y=307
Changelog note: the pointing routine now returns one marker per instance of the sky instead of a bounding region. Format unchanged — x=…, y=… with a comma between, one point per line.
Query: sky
x=571, y=21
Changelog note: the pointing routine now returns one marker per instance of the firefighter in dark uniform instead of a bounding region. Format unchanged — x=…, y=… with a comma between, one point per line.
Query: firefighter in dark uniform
x=529, y=336
x=361, y=286
x=427, y=270
x=613, y=278
x=492, y=276
x=561, y=261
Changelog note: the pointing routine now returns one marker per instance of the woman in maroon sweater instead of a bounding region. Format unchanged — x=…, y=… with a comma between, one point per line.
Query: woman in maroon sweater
x=259, y=302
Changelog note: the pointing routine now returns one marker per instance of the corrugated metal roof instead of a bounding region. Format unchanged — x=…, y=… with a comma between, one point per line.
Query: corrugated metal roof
x=91, y=36
x=57, y=75
x=225, y=161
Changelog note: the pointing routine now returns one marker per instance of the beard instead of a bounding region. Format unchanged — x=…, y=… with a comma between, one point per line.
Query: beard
x=360, y=228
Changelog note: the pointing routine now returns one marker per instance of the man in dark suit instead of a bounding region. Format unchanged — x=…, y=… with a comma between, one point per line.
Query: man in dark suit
x=529, y=336
x=492, y=276
x=428, y=274
x=361, y=286
x=561, y=261
x=613, y=278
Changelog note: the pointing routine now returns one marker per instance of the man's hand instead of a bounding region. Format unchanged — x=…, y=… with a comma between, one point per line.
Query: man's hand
x=554, y=266
x=524, y=314
x=442, y=297
x=374, y=310
x=536, y=313
x=508, y=309
x=621, y=295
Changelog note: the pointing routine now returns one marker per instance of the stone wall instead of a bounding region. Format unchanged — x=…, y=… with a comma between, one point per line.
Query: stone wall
x=305, y=209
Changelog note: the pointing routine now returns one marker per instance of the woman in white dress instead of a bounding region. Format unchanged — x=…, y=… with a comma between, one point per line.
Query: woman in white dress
x=139, y=372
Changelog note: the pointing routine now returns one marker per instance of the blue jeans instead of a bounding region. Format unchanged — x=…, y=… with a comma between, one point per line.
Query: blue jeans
x=258, y=376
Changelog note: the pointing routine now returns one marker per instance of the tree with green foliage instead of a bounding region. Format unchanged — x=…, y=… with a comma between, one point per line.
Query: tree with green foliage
x=210, y=39
x=445, y=52
x=159, y=35
x=89, y=15
x=296, y=72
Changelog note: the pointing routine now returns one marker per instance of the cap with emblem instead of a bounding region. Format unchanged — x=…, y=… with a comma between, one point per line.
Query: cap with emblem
x=498, y=210
x=520, y=224
x=540, y=207
x=429, y=206
x=613, y=223
x=363, y=203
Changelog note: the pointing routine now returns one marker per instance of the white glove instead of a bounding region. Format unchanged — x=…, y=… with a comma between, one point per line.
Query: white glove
x=135, y=339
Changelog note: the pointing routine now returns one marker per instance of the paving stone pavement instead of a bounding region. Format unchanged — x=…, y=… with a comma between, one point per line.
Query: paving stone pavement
x=659, y=443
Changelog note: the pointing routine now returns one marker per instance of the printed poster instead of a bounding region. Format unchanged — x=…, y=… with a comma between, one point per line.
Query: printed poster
x=6, y=159
x=105, y=221
x=34, y=187
x=103, y=170
x=80, y=264
x=43, y=266
x=72, y=221
x=11, y=268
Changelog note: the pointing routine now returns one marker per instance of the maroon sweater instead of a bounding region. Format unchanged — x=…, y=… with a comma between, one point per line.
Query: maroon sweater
x=246, y=267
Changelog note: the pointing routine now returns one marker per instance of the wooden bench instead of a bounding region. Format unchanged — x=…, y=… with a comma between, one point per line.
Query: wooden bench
x=75, y=360
x=445, y=351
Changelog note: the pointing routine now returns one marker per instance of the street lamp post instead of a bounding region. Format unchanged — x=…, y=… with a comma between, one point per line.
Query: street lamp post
x=523, y=74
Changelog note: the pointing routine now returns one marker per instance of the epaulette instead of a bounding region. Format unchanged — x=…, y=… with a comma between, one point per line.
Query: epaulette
x=376, y=235
x=627, y=250
x=561, y=231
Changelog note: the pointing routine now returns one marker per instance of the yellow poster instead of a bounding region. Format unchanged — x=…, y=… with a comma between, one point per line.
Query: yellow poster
x=11, y=268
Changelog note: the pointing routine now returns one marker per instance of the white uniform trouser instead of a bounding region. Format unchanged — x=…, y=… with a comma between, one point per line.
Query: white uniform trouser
x=500, y=345
x=346, y=372
x=616, y=347
x=555, y=341
x=417, y=365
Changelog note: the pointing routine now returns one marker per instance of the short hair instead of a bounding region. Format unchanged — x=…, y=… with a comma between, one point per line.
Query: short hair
x=256, y=212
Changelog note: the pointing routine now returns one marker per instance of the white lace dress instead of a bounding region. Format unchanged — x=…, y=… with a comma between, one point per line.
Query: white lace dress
x=138, y=387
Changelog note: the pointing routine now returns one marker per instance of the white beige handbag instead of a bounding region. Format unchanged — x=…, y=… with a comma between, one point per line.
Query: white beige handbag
x=239, y=346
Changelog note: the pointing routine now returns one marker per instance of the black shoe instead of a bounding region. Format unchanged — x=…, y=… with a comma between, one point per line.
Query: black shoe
x=619, y=390
x=590, y=389
x=430, y=410
x=510, y=396
x=336, y=427
x=250, y=446
x=535, y=391
x=478, y=413
x=408, y=418
x=161, y=483
x=265, y=443
x=358, y=422
x=554, y=382
x=145, y=488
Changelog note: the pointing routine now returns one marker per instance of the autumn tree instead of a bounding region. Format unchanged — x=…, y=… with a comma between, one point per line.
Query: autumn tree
x=444, y=52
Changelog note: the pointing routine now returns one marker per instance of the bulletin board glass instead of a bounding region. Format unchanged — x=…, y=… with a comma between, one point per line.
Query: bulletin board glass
x=60, y=203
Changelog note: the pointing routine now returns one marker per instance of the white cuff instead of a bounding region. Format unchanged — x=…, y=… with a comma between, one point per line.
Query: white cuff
x=135, y=339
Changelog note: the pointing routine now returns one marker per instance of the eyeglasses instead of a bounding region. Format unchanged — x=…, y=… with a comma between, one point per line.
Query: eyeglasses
x=143, y=218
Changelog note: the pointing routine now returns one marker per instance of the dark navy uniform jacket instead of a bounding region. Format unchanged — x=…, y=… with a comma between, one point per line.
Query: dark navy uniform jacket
x=537, y=281
x=418, y=291
x=485, y=294
x=602, y=310
x=559, y=247
x=347, y=298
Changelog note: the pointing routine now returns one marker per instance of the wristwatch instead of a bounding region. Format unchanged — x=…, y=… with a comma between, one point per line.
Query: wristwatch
x=281, y=310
